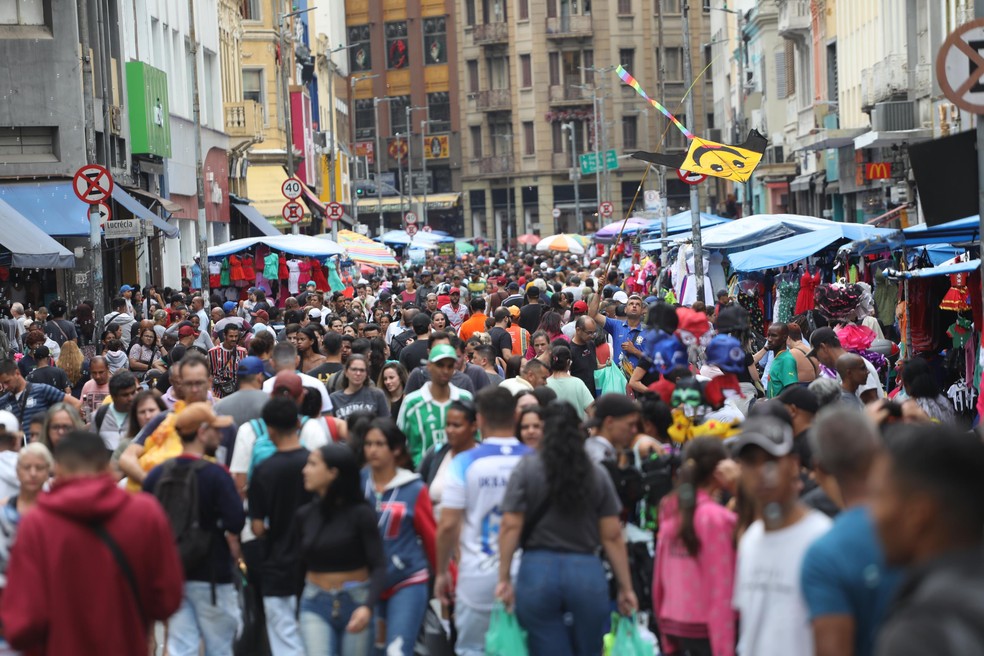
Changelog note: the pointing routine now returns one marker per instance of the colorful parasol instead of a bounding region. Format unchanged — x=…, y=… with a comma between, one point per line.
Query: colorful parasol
x=528, y=239
x=463, y=246
x=366, y=251
x=562, y=244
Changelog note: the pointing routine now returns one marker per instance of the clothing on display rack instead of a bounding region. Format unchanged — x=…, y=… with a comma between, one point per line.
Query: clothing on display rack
x=294, y=276
x=214, y=274
x=270, y=266
x=787, y=291
x=886, y=297
x=806, y=299
x=956, y=298
x=305, y=274
x=318, y=275
x=225, y=279
x=749, y=298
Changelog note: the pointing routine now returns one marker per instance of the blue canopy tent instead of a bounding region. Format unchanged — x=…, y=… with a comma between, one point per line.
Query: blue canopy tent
x=942, y=270
x=421, y=239
x=676, y=224
x=303, y=245
x=961, y=230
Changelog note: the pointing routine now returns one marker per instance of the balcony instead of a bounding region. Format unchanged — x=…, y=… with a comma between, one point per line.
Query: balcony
x=244, y=120
x=488, y=34
x=887, y=79
x=794, y=19
x=493, y=165
x=493, y=100
x=561, y=95
x=569, y=27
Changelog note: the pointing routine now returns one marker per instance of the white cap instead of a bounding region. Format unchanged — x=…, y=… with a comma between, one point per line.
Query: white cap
x=8, y=421
x=620, y=297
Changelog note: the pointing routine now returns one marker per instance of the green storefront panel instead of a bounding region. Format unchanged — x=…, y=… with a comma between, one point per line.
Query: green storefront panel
x=150, y=124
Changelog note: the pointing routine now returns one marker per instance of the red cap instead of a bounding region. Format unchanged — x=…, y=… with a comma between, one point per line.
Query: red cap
x=581, y=307
x=454, y=290
x=290, y=382
x=262, y=315
x=185, y=331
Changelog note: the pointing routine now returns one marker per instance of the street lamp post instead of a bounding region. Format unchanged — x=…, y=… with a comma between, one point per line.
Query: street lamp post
x=285, y=89
x=377, y=154
x=688, y=74
x=576, y=175
x=331, y=129
x=352, y=82
x=423, y=158
x=740, y=110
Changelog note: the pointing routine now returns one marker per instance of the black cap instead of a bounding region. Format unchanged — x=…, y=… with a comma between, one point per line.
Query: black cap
x=822, y=336
x=769, y=433
x=801, y=398
x=613, y=405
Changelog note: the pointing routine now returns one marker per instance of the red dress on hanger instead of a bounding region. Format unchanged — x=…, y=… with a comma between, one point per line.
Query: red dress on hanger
x=318, y=275
x=249, y=272
x=236, y=273
x=305, y=276
x=956, y=297
x=805, y=300
x=282, y=269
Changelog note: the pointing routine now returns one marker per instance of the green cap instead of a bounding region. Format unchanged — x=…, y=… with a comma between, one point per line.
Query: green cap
x=442, y=352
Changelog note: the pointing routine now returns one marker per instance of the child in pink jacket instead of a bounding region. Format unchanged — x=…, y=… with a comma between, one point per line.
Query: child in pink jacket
x=695, y=559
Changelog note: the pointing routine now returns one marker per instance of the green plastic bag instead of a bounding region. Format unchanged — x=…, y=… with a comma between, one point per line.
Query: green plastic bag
x=624, y=638
x=610, y=379
x=505, y=636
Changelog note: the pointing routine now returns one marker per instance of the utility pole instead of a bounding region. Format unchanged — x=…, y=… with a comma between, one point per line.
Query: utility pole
x=664, y=252
x=688, y=76
x=355, y=200
x=423, y=160
x=741, y=106
x=423, y=157
x=979, y=13
x=199, y=171
x=409, y=158
x=89, y=110
x=379, y=174
x=576, y=174
x=332, y=149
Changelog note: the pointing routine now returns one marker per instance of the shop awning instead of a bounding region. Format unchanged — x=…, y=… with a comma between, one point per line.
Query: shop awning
x=397, y=204
x=804, y=182
x=889, y=138
x=421, y=239
x=141, y=212
x=798, y=247
x=952, y=232
x=30, y=246
x=831, y=138
x=942, y=270
x=259, y=221
x=313, y=201
x=169, y=205
x=304, y=245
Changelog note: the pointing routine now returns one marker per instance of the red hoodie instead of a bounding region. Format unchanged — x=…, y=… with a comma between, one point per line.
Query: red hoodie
x=65, y=592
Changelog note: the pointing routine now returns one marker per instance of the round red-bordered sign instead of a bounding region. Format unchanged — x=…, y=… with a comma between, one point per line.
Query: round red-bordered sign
x=690, y=177
x=291, y=188
x=92, y=184
x=411, y=229
x=293, y=212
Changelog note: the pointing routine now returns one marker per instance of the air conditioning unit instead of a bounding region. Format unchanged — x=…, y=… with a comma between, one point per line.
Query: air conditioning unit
x=893, y=115
x=714, y=134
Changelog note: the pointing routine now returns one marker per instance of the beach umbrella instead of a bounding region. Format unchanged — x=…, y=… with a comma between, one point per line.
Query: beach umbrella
x=561, y=244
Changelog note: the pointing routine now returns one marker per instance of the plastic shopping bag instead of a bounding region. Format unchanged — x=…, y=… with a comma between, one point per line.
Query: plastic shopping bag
x=624, y=638
x=610, y=379
x=505, y=636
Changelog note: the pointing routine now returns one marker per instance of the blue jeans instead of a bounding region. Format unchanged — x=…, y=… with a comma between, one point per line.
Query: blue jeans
x=199, y=620
x=552, y=585
x=283, y=632
x=403, y=614
x=324, y=616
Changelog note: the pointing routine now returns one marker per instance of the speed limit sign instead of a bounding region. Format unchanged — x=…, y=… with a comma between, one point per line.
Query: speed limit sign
x=291, y=188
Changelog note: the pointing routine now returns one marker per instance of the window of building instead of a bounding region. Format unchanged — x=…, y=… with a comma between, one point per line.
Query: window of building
x=557, y=136
x=475, y=132
x=630, y=131
x=397, y=53
x=360, y=52
x=494, y=11
x=22, y=12
x=435, y=41
x=502, y=137
x=365, y=119
x=529, y=138
x=833, y=88
x=524, y=9
x=498, y=72
x=470, y=13
x=251, y=10
x=439, y=106
x=398, y=114
x=554, y=69
x=785, y=71
x=525, y=71
x=253, y=85
x=673, y=66
x=473, y=76
x=625, y=7
x=675, y=138
x=626, y=57
x=33, y=144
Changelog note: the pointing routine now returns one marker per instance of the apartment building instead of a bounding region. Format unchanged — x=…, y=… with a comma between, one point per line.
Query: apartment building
x=539, y=90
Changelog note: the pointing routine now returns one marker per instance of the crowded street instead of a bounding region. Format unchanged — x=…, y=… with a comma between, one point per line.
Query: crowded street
x=678, y=354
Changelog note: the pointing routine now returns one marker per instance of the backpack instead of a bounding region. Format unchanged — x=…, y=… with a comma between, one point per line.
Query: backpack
x=177, y=491
x=264, y=447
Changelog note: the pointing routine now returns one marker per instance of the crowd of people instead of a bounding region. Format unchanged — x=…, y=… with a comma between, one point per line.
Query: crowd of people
x=372, y=469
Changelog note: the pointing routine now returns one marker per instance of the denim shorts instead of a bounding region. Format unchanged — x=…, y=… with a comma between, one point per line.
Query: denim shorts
x=326, y=613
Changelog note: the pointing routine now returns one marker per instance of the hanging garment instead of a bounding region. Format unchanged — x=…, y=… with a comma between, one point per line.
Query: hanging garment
x=753, y=305
x=956, y=298
x=334, y=280
x=886, y=297
x=685, y=282
x=283, y=272
x=196, y=276
x=294, y=275
x=236, y=273
x=318, y=275
x=305, y=275
x=788, y=291
x=214, y=274
x=270, y=266
x=716, y=272
x=249, y=270
x=224, y=279
x=806, y=299
x=960, y=332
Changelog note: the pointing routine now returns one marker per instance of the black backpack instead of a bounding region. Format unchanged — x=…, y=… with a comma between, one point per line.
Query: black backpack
x=177, y=491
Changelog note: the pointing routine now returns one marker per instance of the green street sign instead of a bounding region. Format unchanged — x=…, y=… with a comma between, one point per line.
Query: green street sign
x=589, y=163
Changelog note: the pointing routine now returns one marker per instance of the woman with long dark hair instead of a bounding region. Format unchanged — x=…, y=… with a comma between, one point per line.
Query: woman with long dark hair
x=695, y=558
x=144, y=352
x=529, y=426
x=407, y=527
x=307, y=339
x=559, y=507
x=85, y=325
x=378, y=356
x=393, y=382
x=342, y=555
x=920, y=386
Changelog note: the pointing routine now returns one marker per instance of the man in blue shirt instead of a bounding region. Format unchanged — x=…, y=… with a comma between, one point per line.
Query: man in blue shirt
x=845, y=581
x=25, y=399
x=628, y=335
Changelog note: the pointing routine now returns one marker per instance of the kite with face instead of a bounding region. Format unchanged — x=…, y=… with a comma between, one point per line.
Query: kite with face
x=703, y=156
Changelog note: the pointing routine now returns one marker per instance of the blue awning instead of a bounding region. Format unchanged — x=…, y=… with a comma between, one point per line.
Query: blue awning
x=259, y=221
x=942, y=270
x=29, y=246
x=54, y=208
x=296, y=244
x=140, y=211
x=961, y=230
x=785, y=251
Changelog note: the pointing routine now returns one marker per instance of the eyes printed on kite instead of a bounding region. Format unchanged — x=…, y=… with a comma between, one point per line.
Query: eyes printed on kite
x=717, y=167
x=738, y=164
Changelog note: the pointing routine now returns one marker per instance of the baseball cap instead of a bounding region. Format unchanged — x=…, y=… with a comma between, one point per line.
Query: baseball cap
x=311, y=283
x=580, y=307
x=262, y=316
x=384, y=295
x=769, y=433
x=801, y=398
x=185, y=331
x=228, y=306
x=127, y=288
x=290, y=382
x=613, y=405
x=196, y=415
x=820, y=337
x=425, y=272
x=513, y=311
x=8, y=421
x=726, y=353
x=314, y=314
x=442, y=352
x=454, y=290
x=251, y=366
x=620, y=297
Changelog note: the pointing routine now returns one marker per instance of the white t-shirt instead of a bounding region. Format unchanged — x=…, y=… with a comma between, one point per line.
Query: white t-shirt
x=476, y=484
x=314, y=435
x=872, y=381
x=774, y=618
x=307, y=381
